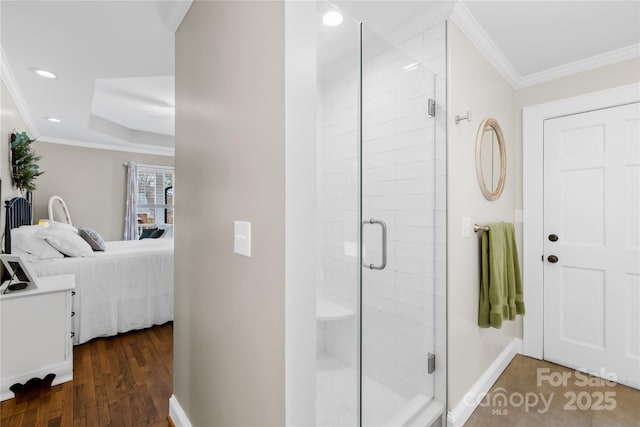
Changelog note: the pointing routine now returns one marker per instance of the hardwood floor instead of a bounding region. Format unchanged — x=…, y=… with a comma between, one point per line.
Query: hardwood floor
x=124, y=380
x=540, y=393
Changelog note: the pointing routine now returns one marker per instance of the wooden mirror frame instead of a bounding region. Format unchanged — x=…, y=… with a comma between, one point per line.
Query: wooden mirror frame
x=491, y=195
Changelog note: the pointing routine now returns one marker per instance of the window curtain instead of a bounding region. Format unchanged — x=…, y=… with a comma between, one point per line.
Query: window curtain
x=131, y=219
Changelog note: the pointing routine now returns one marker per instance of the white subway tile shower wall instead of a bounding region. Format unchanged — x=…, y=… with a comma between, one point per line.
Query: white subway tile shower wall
x=404, y=183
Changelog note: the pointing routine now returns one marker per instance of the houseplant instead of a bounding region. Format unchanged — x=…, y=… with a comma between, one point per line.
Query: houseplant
x=24, y=162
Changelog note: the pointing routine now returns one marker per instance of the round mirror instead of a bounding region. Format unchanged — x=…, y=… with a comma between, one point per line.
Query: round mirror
x=491, y=159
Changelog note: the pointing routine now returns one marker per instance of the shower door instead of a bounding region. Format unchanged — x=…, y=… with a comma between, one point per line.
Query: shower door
x=398, y=203
x=379, y=200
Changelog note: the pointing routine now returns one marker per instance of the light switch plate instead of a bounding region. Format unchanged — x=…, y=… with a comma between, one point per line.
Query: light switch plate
x=466, y=227
x=242, y=238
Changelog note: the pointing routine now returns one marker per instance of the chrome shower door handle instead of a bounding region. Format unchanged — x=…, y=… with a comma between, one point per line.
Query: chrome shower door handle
x=384, y=244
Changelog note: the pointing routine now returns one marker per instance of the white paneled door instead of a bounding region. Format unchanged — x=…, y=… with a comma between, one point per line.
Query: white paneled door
x=592, y=242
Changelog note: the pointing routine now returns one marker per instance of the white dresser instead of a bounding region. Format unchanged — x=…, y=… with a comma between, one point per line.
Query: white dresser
x=35, y=333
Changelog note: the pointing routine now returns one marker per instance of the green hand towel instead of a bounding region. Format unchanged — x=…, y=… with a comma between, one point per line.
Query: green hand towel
x=501, y=283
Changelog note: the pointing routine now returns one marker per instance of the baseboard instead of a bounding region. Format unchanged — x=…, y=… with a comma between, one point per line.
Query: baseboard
x=176, y=414
x=463, y=409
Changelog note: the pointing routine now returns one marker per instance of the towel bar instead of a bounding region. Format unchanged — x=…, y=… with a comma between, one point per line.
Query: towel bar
x=477, y=227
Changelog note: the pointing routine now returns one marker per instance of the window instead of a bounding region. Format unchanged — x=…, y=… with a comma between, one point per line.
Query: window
x=154, y=196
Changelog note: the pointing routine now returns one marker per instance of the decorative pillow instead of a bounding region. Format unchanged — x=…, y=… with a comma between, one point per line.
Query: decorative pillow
x=67, y=242
x=147, y=233
x=168, y=231
x=27, y=239
x=93, y=238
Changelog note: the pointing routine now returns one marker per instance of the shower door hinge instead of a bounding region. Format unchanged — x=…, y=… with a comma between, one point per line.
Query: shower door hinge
x=431, y=108
x=431, y=363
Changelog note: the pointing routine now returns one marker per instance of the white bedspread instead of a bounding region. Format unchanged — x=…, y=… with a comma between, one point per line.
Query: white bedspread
x=127, y=287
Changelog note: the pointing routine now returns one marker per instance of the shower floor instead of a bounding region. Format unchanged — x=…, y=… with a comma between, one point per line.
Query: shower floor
x=336, y=394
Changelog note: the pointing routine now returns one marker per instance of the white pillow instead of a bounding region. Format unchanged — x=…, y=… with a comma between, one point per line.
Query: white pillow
x=61, y=225
x=26, y=239
x=66, y=241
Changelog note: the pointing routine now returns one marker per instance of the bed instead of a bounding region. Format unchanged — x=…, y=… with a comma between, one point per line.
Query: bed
x=129, y=286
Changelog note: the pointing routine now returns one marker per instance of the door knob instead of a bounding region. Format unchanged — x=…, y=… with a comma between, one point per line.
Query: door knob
x=552, y=259
x=553, y=237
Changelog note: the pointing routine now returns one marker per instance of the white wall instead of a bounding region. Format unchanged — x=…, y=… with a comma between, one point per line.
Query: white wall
x=10, y=121
x=474, y=85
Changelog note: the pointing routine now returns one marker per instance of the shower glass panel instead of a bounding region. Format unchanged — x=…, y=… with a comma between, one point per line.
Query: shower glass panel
x=380, y=246
x=338, y=222
x=398, y=203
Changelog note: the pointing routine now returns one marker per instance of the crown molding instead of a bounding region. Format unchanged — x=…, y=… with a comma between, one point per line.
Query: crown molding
x=7, y=76
x=596, y=61
x=471, y=28
x=9, y=80
x=174, y=13
x=129, y=148
x=131, y=136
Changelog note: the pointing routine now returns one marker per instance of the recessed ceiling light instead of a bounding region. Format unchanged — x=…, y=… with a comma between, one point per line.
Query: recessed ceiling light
x=44, y=73
x=54, y=120
x=332, y=18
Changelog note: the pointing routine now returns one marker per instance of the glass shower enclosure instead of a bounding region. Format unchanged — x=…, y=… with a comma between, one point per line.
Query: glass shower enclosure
x=380, y=287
